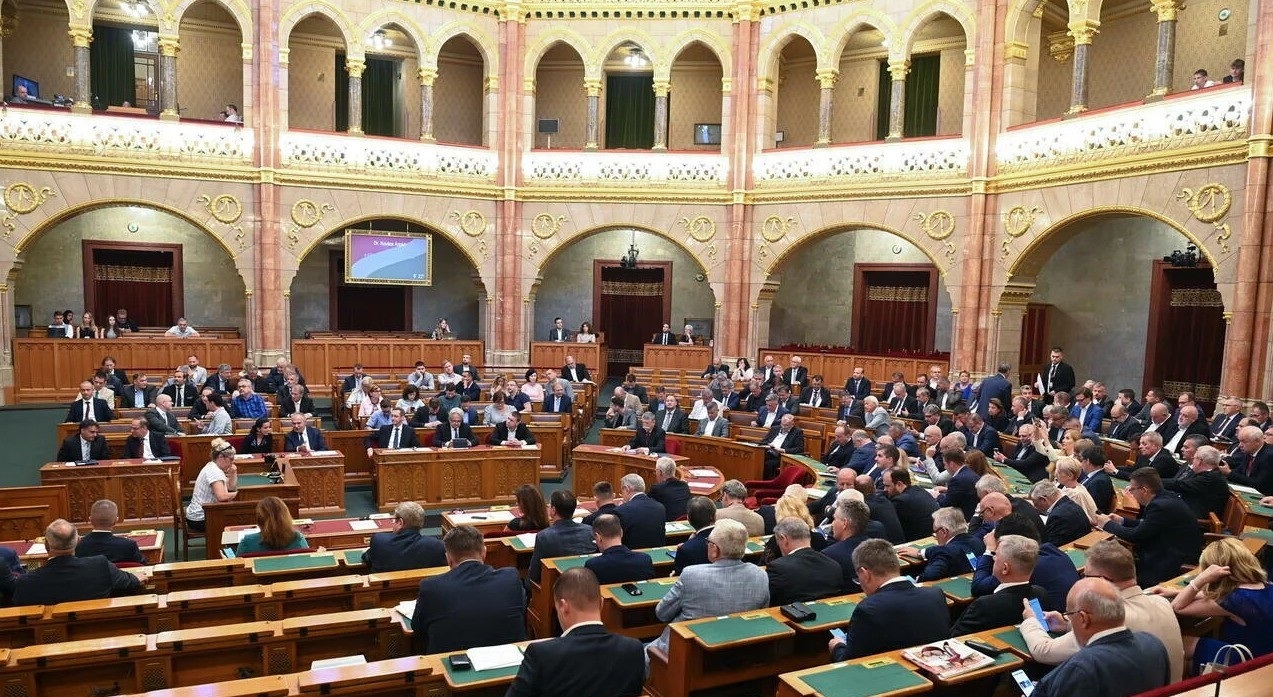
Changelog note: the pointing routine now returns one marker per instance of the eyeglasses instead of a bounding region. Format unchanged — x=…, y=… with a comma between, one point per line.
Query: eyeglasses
x=1067, y=613
x=1135, y=487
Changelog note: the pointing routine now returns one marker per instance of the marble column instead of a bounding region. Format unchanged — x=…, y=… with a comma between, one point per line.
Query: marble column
x=81, y=39
x=661, y=88
x=593, y=88
x=355, y=66
x=1082, y=33
x=1165, y=61
x=897, y=69
x=826, y=82
x=427, y=76
x=168, y=47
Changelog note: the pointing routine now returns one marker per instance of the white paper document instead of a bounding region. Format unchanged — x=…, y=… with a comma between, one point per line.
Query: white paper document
x=700, y=485
x=234, y=537
x=527, y=539
x=702, y=473
x=405, y=608
x=363, y=525
x=492, y=657
x=338, y=662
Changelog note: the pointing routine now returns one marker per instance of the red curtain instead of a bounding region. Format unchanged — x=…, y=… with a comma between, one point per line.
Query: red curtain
x=146, y=291
x=895, y=313
x=631, y=312
x=1192, y=309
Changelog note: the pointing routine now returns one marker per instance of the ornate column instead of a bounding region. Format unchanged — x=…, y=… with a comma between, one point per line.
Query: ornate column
x=593, y=88
x=1166, y=58
x=661, y=88
x=355, y=66
x=7, y=290
x=1082, y=32
x=897, y=69
x=267, y=298
x=826, y=81
x=81, y=39
x=427, y=76
x=168, y=47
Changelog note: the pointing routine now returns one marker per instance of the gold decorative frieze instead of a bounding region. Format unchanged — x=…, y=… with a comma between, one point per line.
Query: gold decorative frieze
x=939, y=226
x=305, y=214
x=227, y=210
x=701, y=228
x=471, y=223
x=776, y=227
x=1210, y=204
x=545, y=226
x=1017, y=222
x=21, y=198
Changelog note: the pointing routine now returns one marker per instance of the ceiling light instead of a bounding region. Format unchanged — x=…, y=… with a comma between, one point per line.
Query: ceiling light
x=380, y=40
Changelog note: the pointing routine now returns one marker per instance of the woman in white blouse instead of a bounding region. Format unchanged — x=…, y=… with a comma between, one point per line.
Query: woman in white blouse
x=585, y=335
x=742, y=370
x=532, y=387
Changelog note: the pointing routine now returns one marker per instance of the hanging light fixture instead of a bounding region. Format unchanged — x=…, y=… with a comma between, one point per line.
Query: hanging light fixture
x=380, y=40
x=136, y=8
x=636, y=58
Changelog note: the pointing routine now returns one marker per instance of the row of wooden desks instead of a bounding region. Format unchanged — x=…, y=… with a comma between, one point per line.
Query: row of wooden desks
x=33, y=553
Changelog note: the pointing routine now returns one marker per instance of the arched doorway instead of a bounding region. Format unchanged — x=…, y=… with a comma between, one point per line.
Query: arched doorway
x=561, y=106
x=936, y=84
x=796, y=95
x=315, y=50
x=460, y=110
x=695, y=103
x=39, y=49
x=210, y=63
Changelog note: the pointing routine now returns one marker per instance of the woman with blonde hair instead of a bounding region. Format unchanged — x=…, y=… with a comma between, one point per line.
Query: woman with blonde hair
x=278, y=530
x=1068, y=473
x=217, y=482
x=792, y=504
x=977, y=462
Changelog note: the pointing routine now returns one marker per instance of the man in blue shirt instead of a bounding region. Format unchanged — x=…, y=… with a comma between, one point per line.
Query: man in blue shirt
x=248, y=404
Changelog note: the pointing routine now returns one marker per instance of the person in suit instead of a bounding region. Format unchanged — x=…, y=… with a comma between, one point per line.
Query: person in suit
x=303, y=438
x=1058, y=375
x=733, y=494
x=64, y=577
x=564, y=537
x=1152, y=454
x=1113, y=660
x=768, y=415
x=603, y=499
x=1027, y=459
x=783, y=437
x=103, y=540
x=642, y=517
x=664, y=337
x=796, y=374
x=895, y=613
x=162, y=419
x=1122, y=426
x=900, y=403
x=724, y=585
x=1054, y=572
x=802, y=573
x=394, y=435
x=839, y=450
x=714, y=425
x=88, y=407
x=913, y=505
x=857, y=385
x=981, y=436
x=586, y=659
x=404, y=548
x=881, y=507
x=181, y=390
x=850, y=523
x=354, y=379
x=1065, y=520
x=145, y=444
x=670, y=418
x=669, y=490
x=223, y=381
x=1202, y=486
x=954, y=543
x=702, y=517
x=1094, y=478
x=511, y=432
x=558, y=332
x=1160, y=422
x=1014, y=562
x=849, y=408
x=1087, y=411
x=85, y=445
x=471, y=605
x=575, y=372
x=995, y=386
x=687, y=338
x=961, y=490
x=1252, y=464
x=1166, y=535
x=647, y=439
x=616, y=563
x=453, y=429
x=296, y=401
x=139, y=393
x=863, y=457
x=1188, y=423
x=1225, y=424
x=823, y=508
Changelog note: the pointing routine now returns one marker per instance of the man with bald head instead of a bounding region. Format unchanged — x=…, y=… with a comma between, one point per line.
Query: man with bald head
x=839, y=450
x=844, y=479
x=1113, y=661
x=783, y=437
x=1187, y=424
x=1160, y=421
x=1252, y=464
x=162, y=419
x=882, y=509
x=64, y=577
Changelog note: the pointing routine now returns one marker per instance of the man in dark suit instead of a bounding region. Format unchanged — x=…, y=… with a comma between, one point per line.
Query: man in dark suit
x=453, y=429
x=1113, y=661
x=1252, y=464
x=1066, y=520
x=471, y=605
x=981, y=436
x=1225, y=424
x=162, y=419
x=558, y=402
x=900, y=403
x=1094, y=478
x=587, y=659
x=223, y=381
x=85, y=445
x=395, y=435
x=354, y=379
x=64, y=577
x=296, y=401
x=702, y=517
x=797, y=374
x=564, y=537
x=88, y=407
x=404, y=548
x=802, y=573
x=103, y=541
x=1188, y=423
x=144, y=443
x=961, y=491
x=664, y=337
x=558, y=332
x=1014, y=562
x=1160, y=422
x=183, y=392
x=1165, y=536
x=858, y=385
x=670, y=418
x=815, y=396
x=995, y=386
x=839, y=450
x=783, y=437
x=669, y=490
x=512, y=432
x=768, y=415
x=616, y=563
x=642, y=517
x=822, y=509
x=1027, y=459
x=895, y=614
x=603, y=497
x=1057, y=376
x=1122, y=426
x=139, y=394
x=647, y=439
x=954, y=543
x=1152, y=454
x=1202, y=486
x=303, y=438
x=850, y=521
x=863, y=457
x=914, y=506
x=575, y=372
x=1054, y=572
x=849, y=408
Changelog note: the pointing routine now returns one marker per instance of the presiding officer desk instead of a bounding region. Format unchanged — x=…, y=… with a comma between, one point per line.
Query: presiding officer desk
x=433, y=477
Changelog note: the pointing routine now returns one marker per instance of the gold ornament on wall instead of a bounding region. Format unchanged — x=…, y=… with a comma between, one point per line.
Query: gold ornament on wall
x=701, y=228
x=1210, y=204
x=22, y=198
x=224, y=208
x=939, y=226
x=776, y=227
x=1017, y=222
x=544, y=226
x=305, y=214
x=471, y=223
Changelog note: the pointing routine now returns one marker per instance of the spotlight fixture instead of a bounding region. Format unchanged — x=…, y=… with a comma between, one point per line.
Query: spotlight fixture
x=1186, y=258
x=136, y=8
x=380, y=40
x=630, y=261
x=636, y=58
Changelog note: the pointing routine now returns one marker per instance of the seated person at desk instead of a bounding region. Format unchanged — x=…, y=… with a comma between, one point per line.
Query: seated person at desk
x=895, y=614
x=162, y=419
x=88, y=407
x=954, y=543
x=714, y=425
x=296, y=401
x=260, y=438
x=603, y=497
x=733, y=494
x=64, y=577
x=181, y=391
x=354, y=379
x=1013, y=564
x=687, y=337
x=616, y=563
x=395, y=435
x=381, y=417
x=1053, y=570
x=664, y=337
x=724, y=585
x=569, y=665
x=278, y=530
x=421, y=378
x=404, y=548
x=182, y=330
x=511, y=432
x=801, y=573
x=430, y=414
x=217, y=482
x=768, y=415
x=575, y=372
x=247, y=403
x=648, y=439
x=141, y=443
x=221, y=381
x=58, y=328
x=532, y=388
x=1202, y=486
x=564, y=537
x=619, y=416
x=138, y=394
x=467, y=389
x=784, y=437
x=558, y=332
x=1251, y=465
x=558, y=403
x=1166, y=534
x=850, y=527
x=303, y=438
x=1066, y=521
x=534, y=512
x=85, y=445
x=669, y=490
x=220, y=423
x=410, y=400
x=102, y=540
x=702, y=517
x=642, y=517
x=913, y=505
x=471, y=605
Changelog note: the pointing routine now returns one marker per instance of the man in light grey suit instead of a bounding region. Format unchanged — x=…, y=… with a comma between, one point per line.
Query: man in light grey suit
x=714, y=425
x=725, y=585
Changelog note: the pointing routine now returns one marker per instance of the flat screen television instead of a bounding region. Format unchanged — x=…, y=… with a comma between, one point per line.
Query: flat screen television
x=707, y=134
x=396, y=258
x=33, y=87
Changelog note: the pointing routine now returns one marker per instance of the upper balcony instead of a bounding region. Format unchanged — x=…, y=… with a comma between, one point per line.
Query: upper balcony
x=625, y=170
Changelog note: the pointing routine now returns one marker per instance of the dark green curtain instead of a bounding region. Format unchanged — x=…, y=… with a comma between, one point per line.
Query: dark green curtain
x=379, y=85
x=921, y=98
x=342, y=94
x=112, y=74
x=630, y=111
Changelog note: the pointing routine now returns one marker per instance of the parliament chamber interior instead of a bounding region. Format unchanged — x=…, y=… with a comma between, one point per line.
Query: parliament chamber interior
x=608, y=348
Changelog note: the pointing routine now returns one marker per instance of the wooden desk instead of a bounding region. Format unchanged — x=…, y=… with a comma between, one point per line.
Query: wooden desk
x=321, y=477
x=679, y=357
x=150, y=542
x=332, y=533
x=142, y=490
x=552, y=354
x=837, y=368
x=242, y=510
x=317, y=358
x=1253, y=514
x=411, y=676
x=741, y=462
x=595, y=463
x=457, y=477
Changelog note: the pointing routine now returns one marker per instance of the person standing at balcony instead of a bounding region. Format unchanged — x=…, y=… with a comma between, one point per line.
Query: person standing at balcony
x=232, y=114
x=1237, y=72
x=558, y=332
x=1201, y=81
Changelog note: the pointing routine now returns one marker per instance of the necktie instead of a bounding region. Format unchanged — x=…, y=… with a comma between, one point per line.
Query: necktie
x=817, y=399
x=305, y=439
x=88, y=410
x=667, y=420
x=84, y=449
x=454, y=433
x=1051, y=375
x=975, y=437
x=181, y=395
x=557, y=404
x=1250, y=462
x=397, y=433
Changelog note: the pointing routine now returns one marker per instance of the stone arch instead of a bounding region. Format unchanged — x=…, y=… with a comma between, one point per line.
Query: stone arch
x=855, y=22
x=854, y=225
x=565, y=242
x=1016, y=26
x=385, y=17
x=432, y=228
x=37, y=231
x=767, y=58
x=547, y=40
x=594, y=65
x=927, y=13
x=480, y=41
x=296, y=13
x=685, y=40
x=236, y=9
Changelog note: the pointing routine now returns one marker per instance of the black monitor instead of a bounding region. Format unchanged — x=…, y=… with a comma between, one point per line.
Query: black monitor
x=33, y=87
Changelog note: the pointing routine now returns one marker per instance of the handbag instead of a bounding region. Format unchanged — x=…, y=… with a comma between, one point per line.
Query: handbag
x=1223, y=659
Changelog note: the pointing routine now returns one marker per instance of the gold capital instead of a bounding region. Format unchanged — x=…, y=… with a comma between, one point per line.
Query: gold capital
x=827, y=78
x=897, y=68
x=81, y=37
x=661, y=88
x=592, y=87
x=427, y=76
x=355, y=66
x=169, y=46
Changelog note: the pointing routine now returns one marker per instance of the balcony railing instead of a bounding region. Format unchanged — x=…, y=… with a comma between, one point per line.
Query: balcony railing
x=385, y=157
x=571, y=168
x=55, y=131
x=922, y=159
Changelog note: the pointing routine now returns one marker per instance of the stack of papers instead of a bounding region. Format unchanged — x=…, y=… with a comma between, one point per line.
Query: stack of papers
x=492, y=657
x=701, y=485
x=405, y=608
x=363, y=525
x=527, y=539
x=702, y=473
x=38, y=548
